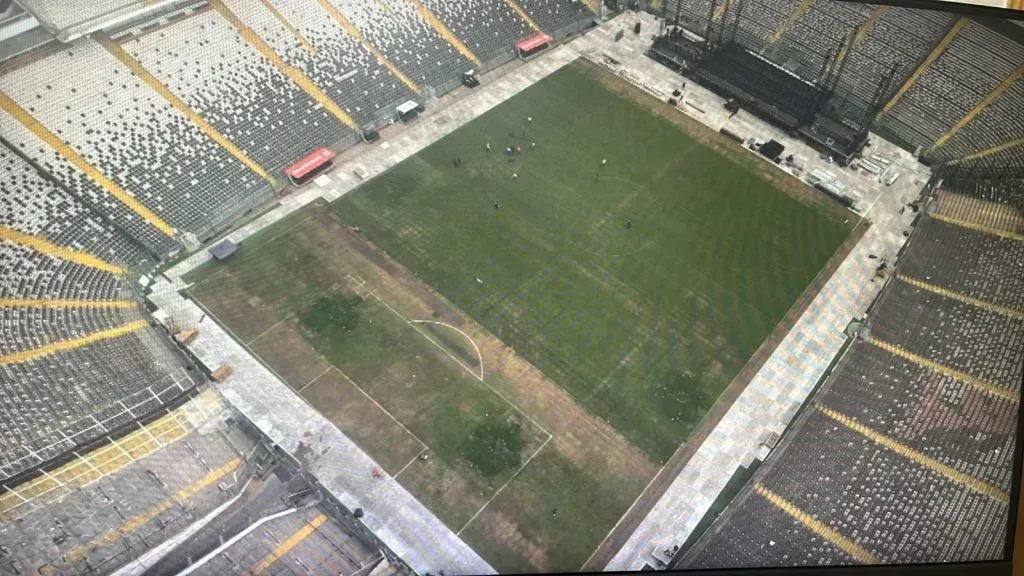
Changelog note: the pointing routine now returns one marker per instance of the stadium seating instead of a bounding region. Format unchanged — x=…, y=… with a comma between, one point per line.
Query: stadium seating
x=964, y=337
x=205, y=61
x=131, y=134
x=975, y=62
x=557, y=17
x=1000, y=122
x=935, y=414
x=897, y=41
x=970, y=271
x=760, y=534
x=395, y=28
x=48, y=398
x=349, y=74
x=60, y=393
x=814, y=39
x=760, y=19
x=34, y=204
x=895, y=508
x=75, y=182
x=488, y=27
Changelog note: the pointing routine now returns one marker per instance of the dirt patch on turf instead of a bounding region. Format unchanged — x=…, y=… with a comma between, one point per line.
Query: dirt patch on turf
x=364, y=422
x=497, y=526
x=708, y=137
x=444, y=490
x=247, y=317
x=291, y=357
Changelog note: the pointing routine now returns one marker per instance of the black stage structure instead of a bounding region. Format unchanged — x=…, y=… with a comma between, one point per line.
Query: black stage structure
x=707, y=51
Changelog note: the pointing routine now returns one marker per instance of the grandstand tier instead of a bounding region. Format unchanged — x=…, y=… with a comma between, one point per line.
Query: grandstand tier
x=205, y=61
x=489, y=28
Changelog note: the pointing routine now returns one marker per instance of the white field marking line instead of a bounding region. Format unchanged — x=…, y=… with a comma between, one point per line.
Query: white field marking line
x=414, y=458
x=264, y=333
x=326, y=370
x=466, y=336
x=382, y=409
x=356, y=283
x=624, y=514
x=507, y=482
x=459, y=362
x=252, y=354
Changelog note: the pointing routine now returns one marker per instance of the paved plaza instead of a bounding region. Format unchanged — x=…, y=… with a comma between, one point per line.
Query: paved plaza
x=766, y=405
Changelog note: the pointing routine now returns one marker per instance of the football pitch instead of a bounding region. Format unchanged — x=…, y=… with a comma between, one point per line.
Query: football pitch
x=523, y=338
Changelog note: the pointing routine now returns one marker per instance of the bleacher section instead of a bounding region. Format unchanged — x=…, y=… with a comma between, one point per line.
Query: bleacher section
x=1000, y=122
x=897, y=40
x=557, y=17
x=133, y=136
x=814, y=39
x=760, y=20
x=488, y=27
x=35, y=204
x=50, y=403
x=204, y=61
x=333, y=59
x=57, y=398
x=906, y=454
x=974, y=63
x=969, y=272
x=408, y=42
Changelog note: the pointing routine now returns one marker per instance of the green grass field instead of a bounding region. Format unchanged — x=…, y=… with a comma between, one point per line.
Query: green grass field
x=643, y=326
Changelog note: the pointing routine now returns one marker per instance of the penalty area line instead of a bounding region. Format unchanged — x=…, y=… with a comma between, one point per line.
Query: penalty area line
x=460, y=363
x=507, y=482
x=480, y=356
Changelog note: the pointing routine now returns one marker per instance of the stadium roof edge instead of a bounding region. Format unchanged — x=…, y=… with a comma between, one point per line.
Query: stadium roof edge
x=114, y=18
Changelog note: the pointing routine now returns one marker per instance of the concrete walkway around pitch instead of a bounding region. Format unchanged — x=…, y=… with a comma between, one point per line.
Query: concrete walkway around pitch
x=772, y=398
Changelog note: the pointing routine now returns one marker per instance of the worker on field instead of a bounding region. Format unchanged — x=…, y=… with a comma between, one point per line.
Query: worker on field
x=497, y=205
x=604, y=161
x=629, y=224
x=533, y=144
x=529, y=119
x=515, y=176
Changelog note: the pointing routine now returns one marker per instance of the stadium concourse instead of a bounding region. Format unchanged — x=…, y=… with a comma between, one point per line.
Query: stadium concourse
x=133, y=132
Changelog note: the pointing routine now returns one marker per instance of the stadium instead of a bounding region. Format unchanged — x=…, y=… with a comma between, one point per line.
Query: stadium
x=474, y=286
